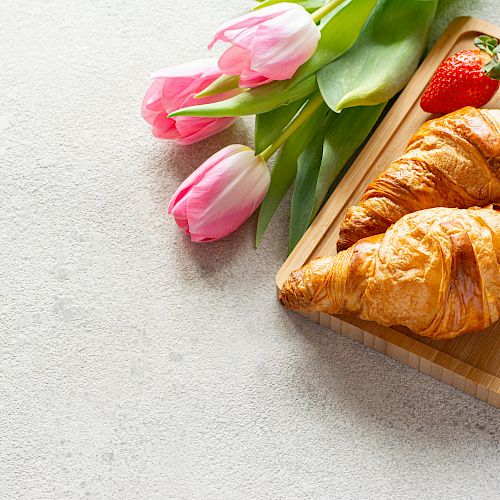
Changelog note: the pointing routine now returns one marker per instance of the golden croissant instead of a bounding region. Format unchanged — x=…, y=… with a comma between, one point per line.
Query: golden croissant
x=453, y=161
x=435, y=271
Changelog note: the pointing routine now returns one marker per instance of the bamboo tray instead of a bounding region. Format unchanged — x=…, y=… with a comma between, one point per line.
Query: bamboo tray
x=470, y=363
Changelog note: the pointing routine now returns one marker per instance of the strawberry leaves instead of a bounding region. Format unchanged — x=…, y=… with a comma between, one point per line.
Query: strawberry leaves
x=486, y=43
x=492, y=48
x=492, y=69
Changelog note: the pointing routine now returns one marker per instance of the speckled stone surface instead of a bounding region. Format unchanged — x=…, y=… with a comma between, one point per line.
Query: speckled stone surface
x=134, y=364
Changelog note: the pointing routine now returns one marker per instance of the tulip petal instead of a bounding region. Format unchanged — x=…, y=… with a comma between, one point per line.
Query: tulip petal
x=188, y=126
x=233, y=31
x=165, y=127
x=252, y=79
x=151, y=104
x=268, y=44
x=201, y=171
x=212, y=127
x=225, y=197
x=179, y=92
x=282, y=45
x=234, y=60
x=180, y=215
x=185, y=79
x=174, y=88
x=200, y=238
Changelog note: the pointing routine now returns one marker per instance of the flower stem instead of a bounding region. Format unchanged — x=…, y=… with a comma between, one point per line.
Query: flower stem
x=313, y=104
x=326, y=9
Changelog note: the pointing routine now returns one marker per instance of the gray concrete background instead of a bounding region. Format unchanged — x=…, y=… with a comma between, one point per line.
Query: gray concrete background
x=134, y=364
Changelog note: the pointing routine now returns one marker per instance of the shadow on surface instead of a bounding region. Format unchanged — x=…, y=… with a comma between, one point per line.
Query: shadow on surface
x=169, y=164
x=394, y=396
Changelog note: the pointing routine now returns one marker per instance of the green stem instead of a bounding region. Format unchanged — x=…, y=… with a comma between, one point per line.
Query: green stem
x=326, y=9
x=313, y=104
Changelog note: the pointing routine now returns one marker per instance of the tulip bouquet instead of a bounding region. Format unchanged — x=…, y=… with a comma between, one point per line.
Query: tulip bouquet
x=317, y=74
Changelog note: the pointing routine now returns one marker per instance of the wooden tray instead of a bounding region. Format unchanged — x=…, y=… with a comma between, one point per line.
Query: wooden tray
x=470, y=363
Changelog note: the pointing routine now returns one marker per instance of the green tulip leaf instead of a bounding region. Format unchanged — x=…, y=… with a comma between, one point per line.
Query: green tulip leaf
x=323, y=160
x=285, y=168
x=225, y=83
x=270, y=125
x=254, y=101
x=339, y=31
x=342, y=139
x=308, y=166
x=384, y=57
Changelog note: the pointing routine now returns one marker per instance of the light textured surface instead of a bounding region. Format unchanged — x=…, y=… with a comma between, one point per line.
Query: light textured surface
x=134, y=364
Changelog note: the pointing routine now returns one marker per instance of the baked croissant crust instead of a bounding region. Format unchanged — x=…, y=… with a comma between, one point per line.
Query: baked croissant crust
x=436, y=271
x=452, y=161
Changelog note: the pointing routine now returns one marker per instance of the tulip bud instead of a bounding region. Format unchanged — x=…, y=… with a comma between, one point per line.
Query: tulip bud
x=175, y=88
x=268, y=44
x=221, y=194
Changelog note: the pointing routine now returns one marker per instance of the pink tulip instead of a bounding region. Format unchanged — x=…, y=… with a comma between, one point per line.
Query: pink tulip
x=174, y=88
x=268, y=44
x=221, y=194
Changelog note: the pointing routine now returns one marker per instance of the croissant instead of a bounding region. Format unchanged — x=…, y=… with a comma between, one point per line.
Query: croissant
x=436, y=271
x=453, y=161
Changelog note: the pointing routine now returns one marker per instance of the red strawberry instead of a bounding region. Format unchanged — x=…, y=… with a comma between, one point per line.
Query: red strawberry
x=467, y=78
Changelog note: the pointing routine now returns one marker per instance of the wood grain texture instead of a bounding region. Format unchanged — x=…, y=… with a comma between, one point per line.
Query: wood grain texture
x=470, y=363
